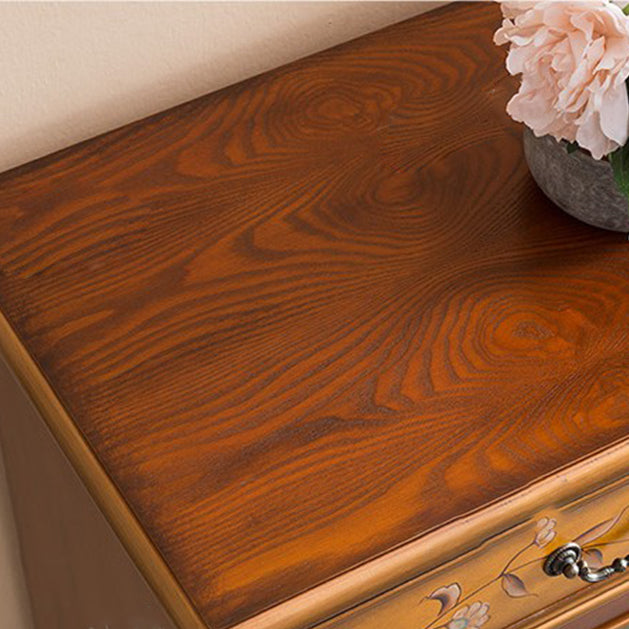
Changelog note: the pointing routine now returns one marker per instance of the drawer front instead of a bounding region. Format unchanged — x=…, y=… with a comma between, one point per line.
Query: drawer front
x=502, y=583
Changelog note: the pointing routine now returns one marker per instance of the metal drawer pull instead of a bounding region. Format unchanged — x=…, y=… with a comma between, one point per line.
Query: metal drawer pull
x=567, y=560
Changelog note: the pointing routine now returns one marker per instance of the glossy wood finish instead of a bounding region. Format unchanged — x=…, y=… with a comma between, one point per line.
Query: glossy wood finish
x=465, y=549
x=318, y=314
x=504, y=574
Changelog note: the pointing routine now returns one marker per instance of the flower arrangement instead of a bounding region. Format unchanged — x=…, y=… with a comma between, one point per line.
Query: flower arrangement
x=573, y=58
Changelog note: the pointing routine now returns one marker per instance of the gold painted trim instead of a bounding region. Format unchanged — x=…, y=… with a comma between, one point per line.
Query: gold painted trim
x=349, y=590
x=102, y=489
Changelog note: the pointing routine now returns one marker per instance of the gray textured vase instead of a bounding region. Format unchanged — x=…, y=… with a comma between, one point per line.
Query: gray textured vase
x=577, y=183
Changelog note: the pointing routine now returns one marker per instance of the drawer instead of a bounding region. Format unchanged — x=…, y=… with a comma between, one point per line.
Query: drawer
x=487, y=570
x=501, y=582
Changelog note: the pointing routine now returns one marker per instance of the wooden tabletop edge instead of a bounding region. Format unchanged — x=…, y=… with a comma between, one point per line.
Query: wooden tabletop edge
x=100, y=486
x=435, y=548
x=338, y=595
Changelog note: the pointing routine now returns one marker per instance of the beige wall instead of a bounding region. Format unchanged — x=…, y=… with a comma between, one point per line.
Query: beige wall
x=69, y=71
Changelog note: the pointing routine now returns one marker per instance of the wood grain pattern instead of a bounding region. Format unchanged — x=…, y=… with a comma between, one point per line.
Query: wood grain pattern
x=96, y=480
x=503, y=574
x=315, y=315
x=76, y=571
x=453, y=549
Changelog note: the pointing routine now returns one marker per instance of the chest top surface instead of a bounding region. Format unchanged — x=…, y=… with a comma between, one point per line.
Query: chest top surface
x=312, y=316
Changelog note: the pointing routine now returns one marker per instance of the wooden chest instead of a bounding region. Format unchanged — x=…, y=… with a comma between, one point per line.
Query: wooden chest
x=319, y=354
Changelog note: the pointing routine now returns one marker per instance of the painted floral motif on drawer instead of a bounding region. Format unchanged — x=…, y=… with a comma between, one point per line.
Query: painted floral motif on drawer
x=458, y=609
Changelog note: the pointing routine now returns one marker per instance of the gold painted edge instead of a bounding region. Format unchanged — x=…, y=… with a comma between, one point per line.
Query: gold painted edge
x=100, y=486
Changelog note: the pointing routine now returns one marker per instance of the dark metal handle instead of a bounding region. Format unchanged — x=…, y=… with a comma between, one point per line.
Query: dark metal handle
x=567, y=560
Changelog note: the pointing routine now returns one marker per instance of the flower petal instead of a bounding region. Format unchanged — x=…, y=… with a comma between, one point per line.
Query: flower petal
x=448, y=596
x=574, y=60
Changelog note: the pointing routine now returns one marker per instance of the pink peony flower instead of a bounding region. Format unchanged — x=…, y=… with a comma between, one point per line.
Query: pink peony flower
x=574, y=60
x=512, y=8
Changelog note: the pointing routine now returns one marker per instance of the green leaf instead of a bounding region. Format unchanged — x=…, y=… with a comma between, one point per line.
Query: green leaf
x=571, y=147
x=626, y=9
x=619, y=160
